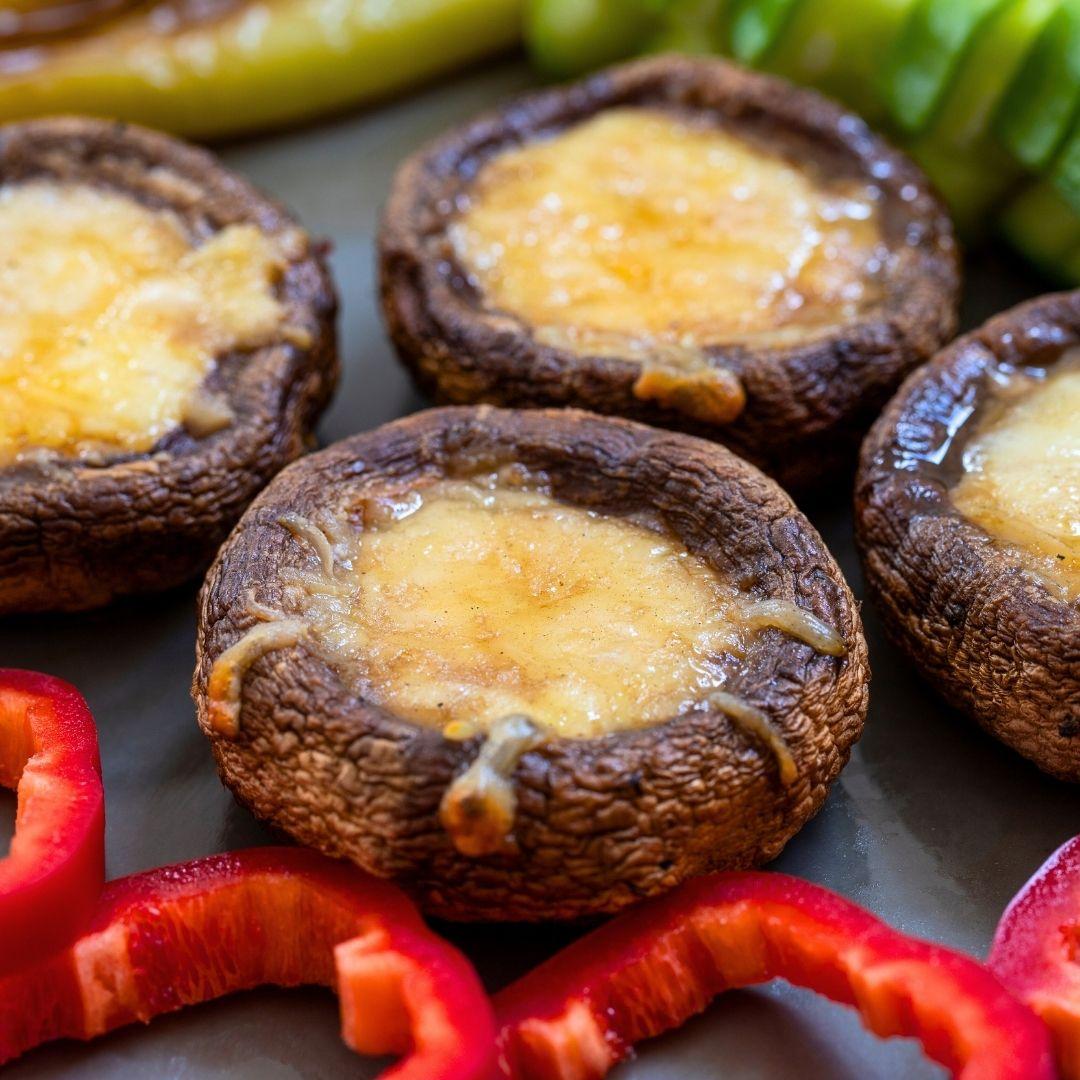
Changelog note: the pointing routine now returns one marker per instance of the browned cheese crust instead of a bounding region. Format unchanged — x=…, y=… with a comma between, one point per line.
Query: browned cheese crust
x=986, y=632
x=600, y=822
x=75, y=535
x=807, y=405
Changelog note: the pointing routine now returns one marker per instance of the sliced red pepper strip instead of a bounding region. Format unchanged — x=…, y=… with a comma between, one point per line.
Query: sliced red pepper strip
x=1036, y=950
x=282, y=916
x=647, y=971
x=52, y=876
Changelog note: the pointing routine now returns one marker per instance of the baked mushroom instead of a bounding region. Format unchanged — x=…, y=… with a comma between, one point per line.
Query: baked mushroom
x=677, y=241
x=968, y=520
x=533, y=664
x=166, y=345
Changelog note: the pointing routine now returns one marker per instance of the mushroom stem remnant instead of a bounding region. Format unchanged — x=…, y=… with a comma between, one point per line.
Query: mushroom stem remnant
x=753, y=722
x=227, y=674
x=206, y=412
x=798, y=622
x=479, y=806
x=712, y=395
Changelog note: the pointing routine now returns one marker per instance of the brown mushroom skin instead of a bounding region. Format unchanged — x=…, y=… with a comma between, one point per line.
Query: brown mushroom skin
x=602, y=822
x=983, y=630
x=75, y=535
x=807, y=405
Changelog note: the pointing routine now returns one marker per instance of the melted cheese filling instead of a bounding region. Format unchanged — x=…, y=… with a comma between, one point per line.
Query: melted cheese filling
x=479, y=601
x=1021, y=480
x=110, y=318
x=636, y=232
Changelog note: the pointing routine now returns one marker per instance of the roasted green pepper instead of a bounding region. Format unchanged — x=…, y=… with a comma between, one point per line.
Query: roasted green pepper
x=567, y=37
x=213, y=68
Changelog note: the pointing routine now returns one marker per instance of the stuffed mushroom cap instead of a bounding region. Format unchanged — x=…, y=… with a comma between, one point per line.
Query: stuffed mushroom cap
x=168, y=346
x=486, y=815
x=968, y=513
x=681, y=242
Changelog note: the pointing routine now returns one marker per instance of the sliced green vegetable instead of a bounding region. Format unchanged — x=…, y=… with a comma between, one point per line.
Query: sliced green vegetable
x=567, y=37
x=977, y=91
x=1045, y=229
x=988, y=69
x=926, y=56
x=973, y=184
x=693, y=26
x=1070, y=269
x=1044, y=100
x=958, y=148
x=1066, y=170
x=821, y=45
x=757, y=24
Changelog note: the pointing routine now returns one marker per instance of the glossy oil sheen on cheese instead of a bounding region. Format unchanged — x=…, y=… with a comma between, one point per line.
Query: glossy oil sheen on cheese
x=110, y=318
x=1021, y=479
x=639, y=225
x=482, y=602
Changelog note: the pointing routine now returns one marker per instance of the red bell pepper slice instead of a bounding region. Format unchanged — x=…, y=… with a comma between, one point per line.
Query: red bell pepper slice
x=284, y=916
x=648, y=970
x=52, y=876
x=1036, y=950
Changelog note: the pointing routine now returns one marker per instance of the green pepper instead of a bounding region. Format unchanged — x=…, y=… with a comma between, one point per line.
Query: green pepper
x=756, y=25
x=1045, y=229
x=693, y=26
x=1044, y=100
x=928, y=53
x=1065, y=174
x=818, y=44
x=957, y=148
x=567, y=37
x=254, y=65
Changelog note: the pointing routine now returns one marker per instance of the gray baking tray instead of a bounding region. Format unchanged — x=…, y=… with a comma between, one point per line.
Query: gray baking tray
x=933, y=826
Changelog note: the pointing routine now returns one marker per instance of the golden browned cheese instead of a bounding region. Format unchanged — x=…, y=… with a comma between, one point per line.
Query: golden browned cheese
x=640, y=233
x=1021, y=478
x=471, y=600
x=476, y=601
x=110, y=319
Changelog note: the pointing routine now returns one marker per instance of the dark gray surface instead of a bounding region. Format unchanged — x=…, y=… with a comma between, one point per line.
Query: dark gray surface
x=932, y=825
